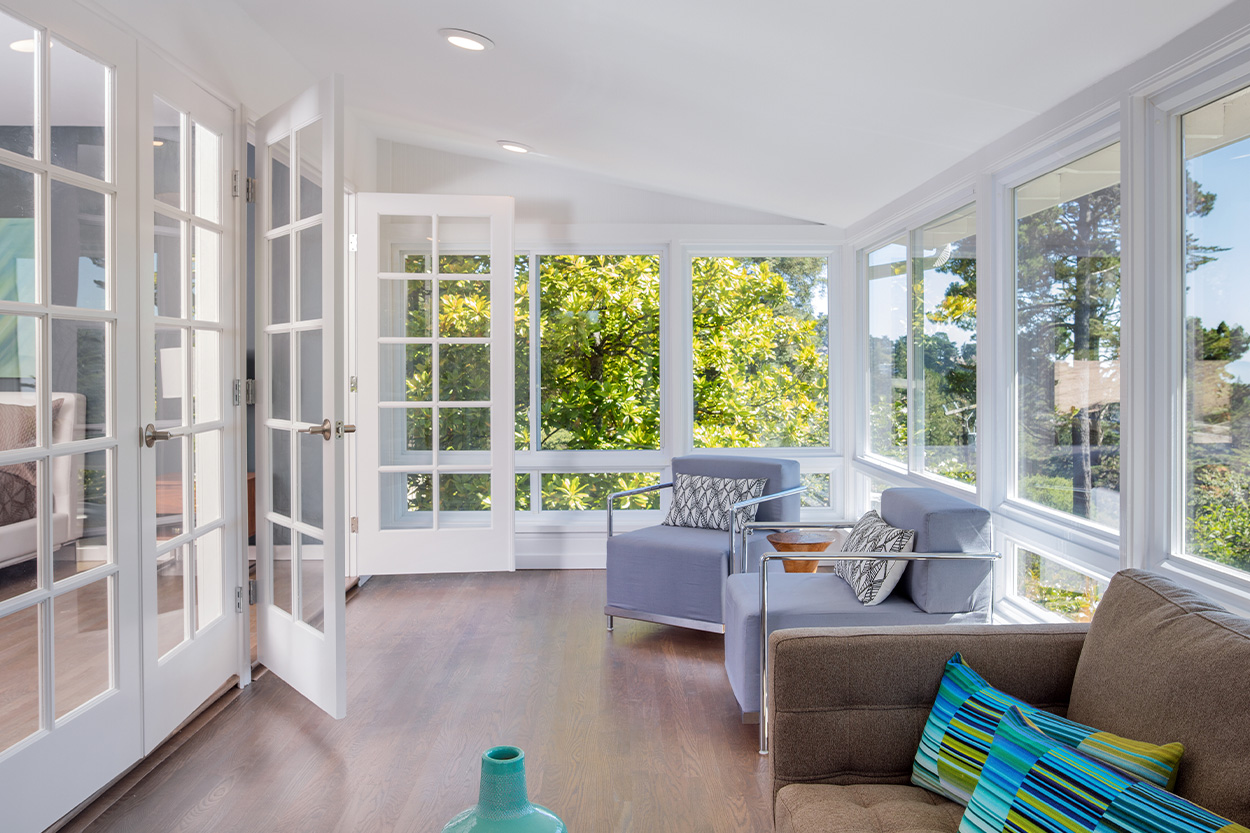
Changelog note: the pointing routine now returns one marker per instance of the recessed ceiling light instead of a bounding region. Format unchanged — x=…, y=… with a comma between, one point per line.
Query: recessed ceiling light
x=515, y=147
x=465, y=39
x=156, y=143
x=27, y=45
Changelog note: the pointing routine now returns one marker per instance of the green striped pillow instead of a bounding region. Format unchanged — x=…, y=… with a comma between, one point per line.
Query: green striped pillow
x=1033, y=783
x=961, y=725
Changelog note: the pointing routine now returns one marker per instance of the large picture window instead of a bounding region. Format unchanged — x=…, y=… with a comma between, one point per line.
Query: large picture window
x=887, y=350
x=1216, y=141
x=1067, y=232
x=761, y=352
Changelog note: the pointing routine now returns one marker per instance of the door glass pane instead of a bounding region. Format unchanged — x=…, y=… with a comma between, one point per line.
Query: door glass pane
x=404, y=308
x=1068, y=338
x=170, y=488
x=311, y=581
x=79, y=379
x=280, y=173
x=167, y=266
x=280, y=463
x=81, y=494
x=407, y=372
x=465, y=245
x=310, y=273
x=945, y=270
x=19, y=512
x=407, y=500
x=19, y=344
x=280, y=375
x=171, y=590
x=171, y=373
x=209, y=587
x=280, y=280
x=464, y=372
x=206, y=172
x=206, y=275
x=207, y=486
x=464, y=429
x=17, y=68
x=309, y=141
x=1216, y=141
x=166, y=153
x=19, y=684
x=464, y=499
x=887, y=351
x=208, y=381
x=406, y=436
x=17, y=232
x=82, y=624
x=311, y=454
x=464, y=309
x=410, y=243
x=79, y=265
x=309, y=376
x=282, y=560
x=79, y=101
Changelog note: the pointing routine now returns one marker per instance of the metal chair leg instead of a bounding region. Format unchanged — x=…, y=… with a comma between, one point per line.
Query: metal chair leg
x=610, y=623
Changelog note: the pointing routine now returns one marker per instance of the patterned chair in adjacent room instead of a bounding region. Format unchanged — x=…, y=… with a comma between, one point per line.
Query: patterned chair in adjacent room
x=675, y=575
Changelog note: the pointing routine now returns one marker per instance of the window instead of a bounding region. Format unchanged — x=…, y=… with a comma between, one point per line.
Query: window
x=761, y=352
x=599, y=352
x=887, y=350
x=1045, y=582
x=945, y=330
x=1216, y=144
x=1067, y=232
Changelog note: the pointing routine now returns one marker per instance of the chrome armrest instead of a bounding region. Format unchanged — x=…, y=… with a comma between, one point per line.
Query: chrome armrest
x=733, y=522
x=612, y=498
x=990, y=556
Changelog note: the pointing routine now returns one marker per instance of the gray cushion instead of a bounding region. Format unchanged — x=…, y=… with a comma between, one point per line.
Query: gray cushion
x=864, y=808
x=943, y=523
x=781, y=474
x=805, y=600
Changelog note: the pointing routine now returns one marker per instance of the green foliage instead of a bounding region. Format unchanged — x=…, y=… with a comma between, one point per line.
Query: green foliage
x=1048, y=490
x=1069, y=593
x=1218, y=517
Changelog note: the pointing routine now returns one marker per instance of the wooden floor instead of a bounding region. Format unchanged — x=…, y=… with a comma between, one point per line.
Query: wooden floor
x=635, y=730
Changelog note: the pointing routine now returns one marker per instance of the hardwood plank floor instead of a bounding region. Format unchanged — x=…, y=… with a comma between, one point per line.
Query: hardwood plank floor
x=635, y=730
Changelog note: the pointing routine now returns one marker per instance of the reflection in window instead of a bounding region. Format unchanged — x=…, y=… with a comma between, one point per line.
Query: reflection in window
x=761, y=352
x=599, y=338
x=1217, y=313
x=887, y=350
x=1062, y=590
x=945, y=331
x=1067, y=227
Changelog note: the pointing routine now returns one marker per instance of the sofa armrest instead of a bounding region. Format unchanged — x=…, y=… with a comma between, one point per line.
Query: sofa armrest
x=849, y=704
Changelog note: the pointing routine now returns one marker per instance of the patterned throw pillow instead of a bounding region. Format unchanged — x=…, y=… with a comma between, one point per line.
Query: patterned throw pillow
x=704, y=502
x=957, y=736
x=871, y=578
x=1032, y=782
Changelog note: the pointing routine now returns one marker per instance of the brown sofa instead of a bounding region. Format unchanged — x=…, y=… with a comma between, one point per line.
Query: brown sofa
x=1158, y=663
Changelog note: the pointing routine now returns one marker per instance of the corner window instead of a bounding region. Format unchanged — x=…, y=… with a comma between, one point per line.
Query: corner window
x=1056, y=587
x=886, y=269
x=1067, y=290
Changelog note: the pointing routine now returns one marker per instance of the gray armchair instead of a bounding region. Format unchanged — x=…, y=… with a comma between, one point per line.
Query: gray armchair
x=676, y=575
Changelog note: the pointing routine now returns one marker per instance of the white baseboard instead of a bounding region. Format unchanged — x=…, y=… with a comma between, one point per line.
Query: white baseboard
x=572, y=550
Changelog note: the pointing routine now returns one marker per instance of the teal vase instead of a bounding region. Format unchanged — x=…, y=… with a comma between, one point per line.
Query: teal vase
x=503, y=805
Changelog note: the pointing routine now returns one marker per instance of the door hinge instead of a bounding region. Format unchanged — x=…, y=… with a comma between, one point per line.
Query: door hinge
x=355, y=524
x=251, y=591
x=351, y=242
x=353, y=384
x=249, y=391
x=238, y=600
x=234, y=183
x=250, y=189
x=238, y=392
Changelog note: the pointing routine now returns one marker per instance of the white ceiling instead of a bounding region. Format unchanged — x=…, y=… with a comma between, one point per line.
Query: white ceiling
x=822, y=110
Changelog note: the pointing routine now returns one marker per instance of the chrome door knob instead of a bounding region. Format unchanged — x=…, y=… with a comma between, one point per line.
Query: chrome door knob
x=324, y=429
x=151, y=435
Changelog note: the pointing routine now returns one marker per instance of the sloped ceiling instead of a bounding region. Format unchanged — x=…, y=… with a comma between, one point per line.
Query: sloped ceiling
x=821, y=110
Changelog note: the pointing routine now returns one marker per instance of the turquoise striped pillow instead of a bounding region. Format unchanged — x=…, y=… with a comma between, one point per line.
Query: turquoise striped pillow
x=1033, y=784
x=961, y=725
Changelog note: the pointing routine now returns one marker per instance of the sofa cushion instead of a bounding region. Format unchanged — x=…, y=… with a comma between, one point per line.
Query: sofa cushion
x=705, y=502
x=1163, y=663
x=781, y=475
x=1034, y=783
x=864, y=808
x=943, y=523
x=957, y=735
x=873, y=579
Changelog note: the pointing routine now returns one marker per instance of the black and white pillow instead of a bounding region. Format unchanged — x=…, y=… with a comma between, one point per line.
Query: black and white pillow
x=704, y=502
x=873, y=579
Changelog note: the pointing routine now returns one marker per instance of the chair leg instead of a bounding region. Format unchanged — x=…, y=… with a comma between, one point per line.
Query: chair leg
x=610, y=623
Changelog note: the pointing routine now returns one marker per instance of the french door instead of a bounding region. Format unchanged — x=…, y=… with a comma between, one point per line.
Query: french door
x=192, y=514
x=435, y=337
x=301, y=407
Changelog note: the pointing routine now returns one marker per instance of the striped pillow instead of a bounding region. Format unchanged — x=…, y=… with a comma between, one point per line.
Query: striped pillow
x=960, y=729
x=1033, y=783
